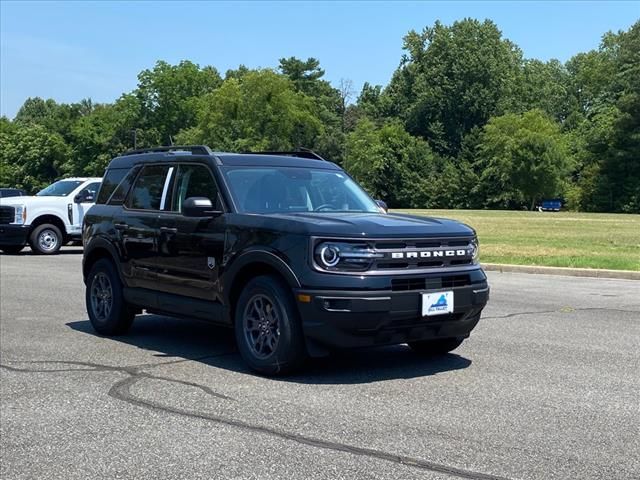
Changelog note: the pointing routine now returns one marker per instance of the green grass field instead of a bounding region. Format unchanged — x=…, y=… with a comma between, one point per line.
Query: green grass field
x=565, y=239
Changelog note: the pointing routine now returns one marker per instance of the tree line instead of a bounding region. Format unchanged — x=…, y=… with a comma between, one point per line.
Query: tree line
x=465, y=122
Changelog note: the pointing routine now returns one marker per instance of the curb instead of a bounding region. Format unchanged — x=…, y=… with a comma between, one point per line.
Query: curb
x=572, y=272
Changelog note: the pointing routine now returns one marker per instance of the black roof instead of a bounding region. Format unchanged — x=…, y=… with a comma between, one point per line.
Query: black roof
x=274, y=160
x=201, y=153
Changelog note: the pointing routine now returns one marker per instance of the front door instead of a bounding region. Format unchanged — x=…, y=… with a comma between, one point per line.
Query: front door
x=191, y=249
x=86, y=198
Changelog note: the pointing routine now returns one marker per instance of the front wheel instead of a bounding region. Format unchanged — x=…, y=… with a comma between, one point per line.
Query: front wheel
x=108, y=312
x=46, y=239
x=267, y=327
x=436, y=347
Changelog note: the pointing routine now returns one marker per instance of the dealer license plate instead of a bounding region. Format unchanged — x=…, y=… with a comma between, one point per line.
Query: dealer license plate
x=437, y=303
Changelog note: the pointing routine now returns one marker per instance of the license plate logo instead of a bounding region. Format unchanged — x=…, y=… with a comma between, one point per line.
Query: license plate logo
x=438, y=303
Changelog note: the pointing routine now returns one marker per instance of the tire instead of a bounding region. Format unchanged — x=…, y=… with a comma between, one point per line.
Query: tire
x=46, y=239
x=108, y=312
x=436, y=347
x=12, y=249
x=266, y=310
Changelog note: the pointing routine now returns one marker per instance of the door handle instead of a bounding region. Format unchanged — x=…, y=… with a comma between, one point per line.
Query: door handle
x=168, y=230
x=120, y=226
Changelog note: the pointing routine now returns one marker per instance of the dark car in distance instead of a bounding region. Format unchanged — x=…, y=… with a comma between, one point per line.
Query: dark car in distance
x=12, y=192
x=284, y=247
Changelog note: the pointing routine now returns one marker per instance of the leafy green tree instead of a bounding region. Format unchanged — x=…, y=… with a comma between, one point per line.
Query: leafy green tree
x=305, y=74
x=523, y=158
x=260, y=111
x=391, y=164
x=307, y=78
x=30, y=156
x=546, y=86
x=605, y=138
x=454, y=78
x=106, y=133
x=371, y=103
x=55, y=117
x=611, y=176
x=330, y=103
x=169, y=95
x=237, y=73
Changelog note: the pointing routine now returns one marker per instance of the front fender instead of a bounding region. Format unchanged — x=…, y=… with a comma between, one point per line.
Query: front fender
x=33, y=213
x=265, y=256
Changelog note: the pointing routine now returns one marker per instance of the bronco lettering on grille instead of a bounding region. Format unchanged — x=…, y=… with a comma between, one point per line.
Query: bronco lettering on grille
x=430, y=254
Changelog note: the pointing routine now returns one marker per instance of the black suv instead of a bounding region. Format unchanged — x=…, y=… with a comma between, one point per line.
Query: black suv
x=284, y=247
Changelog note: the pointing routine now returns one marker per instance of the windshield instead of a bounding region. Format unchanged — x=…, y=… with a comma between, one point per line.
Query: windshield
x=60, y=189
x=287, y=189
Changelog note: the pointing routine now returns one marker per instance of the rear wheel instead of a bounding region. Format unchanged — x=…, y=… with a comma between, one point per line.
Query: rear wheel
x=267, y=327
x=46, y=239
x=436, y=347
x=108, y=312
x=12, y=249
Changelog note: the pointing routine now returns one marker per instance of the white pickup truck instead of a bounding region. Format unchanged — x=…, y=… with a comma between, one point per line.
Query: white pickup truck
x=49, y=219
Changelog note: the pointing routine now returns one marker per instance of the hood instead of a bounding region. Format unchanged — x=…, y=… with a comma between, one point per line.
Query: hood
x=27, y=200
x=373, y=225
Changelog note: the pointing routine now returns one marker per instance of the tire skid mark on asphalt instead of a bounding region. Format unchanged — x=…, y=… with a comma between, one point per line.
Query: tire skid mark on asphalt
x=133, y=371
x=121, y=390
x=559, y=310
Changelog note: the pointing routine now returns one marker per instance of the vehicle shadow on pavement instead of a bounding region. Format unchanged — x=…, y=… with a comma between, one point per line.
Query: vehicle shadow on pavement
x=27, y=252
x=212, y=345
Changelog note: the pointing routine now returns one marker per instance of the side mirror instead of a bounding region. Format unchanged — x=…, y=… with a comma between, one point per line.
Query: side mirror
x=382, y=205
x=199, y=207
x=83, y=197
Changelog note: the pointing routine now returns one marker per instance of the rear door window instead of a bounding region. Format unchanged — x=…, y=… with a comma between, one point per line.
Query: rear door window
x=149, y=189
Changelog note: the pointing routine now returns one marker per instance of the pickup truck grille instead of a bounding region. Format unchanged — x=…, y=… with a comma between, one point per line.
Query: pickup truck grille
x=7, y=214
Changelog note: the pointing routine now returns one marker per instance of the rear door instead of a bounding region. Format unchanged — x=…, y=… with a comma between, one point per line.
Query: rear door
x=191, y=249
x=137, y=224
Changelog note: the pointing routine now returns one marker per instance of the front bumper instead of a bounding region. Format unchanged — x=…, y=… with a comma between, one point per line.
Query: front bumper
x=345, y=319
x=13, y=235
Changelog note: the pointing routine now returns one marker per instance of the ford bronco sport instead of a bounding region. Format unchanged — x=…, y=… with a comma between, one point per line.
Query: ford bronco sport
x=283, y=247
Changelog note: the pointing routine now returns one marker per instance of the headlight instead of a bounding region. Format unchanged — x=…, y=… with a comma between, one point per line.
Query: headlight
x=344, y=256
x=20, y=214
x=475, y=249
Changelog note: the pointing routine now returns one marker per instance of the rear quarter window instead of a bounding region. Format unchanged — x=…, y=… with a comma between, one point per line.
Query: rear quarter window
x=121, y=191
x=112, y=178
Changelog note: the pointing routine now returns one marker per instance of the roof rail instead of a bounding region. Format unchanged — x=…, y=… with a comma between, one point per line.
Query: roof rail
x=301, y=152
x=194, y=149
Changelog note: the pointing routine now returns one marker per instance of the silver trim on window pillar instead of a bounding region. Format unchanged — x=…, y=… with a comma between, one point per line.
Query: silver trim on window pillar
x=167, y=180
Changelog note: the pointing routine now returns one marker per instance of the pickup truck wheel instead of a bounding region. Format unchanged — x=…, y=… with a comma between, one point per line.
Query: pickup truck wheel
x=436, y=347
x=12, y=250
x=46, y=239
x=108, y=312
x=267, y=327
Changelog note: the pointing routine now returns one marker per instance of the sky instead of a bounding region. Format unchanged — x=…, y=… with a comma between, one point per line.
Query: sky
x=74, y=50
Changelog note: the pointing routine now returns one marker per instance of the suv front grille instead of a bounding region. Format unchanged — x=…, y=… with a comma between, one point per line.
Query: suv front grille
x=7, y=214
x=395, y=256
x=422, y=253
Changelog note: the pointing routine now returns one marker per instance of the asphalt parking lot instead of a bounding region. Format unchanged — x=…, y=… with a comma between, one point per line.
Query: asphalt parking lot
x=547, y=387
